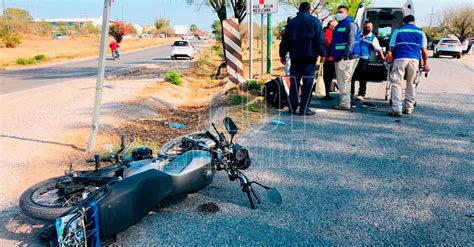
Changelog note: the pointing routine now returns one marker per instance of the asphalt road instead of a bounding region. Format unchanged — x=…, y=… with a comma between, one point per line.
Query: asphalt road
x=346, y=178
x=17, y=80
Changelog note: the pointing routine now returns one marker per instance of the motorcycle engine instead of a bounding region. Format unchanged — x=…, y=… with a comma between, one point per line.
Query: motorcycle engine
x=197, y=142
x=142, y=153
x=241, y=157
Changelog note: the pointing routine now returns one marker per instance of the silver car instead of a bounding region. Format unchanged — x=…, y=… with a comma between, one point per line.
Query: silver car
x=448, y=46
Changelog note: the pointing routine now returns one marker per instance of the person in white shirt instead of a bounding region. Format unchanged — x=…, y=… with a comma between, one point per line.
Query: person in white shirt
x=368, y=43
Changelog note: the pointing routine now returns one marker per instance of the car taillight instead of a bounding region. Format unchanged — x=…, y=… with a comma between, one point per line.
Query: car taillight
x=441, y=44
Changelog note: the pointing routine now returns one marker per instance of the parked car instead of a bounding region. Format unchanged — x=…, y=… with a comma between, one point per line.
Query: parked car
x=385, y=19
x=182, y=48
x=187, y=37
x=144, y=35
x=59, y=36
x=448, y=46
x=205, y=37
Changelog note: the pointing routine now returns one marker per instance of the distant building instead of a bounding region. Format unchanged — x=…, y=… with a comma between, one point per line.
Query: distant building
x=71, y=22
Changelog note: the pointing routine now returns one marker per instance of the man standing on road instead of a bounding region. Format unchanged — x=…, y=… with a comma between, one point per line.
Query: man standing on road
x=304, y=39
x=368, y=43
x=329, y=69
x=405, y=44
x=345, y=52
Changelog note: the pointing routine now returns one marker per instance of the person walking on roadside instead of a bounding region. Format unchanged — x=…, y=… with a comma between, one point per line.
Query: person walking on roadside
x=114, y=47
x=304, y=39
x=368, y=43
x=405, y=44
x=328, y=66
x=345, y=52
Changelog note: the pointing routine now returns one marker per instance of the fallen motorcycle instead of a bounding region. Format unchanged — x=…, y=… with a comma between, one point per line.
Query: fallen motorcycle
x=88, y=207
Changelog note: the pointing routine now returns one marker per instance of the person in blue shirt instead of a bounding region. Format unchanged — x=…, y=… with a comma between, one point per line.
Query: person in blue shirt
x=406, y=43
x=304, y=40
x=345, y=52
x=368, y=43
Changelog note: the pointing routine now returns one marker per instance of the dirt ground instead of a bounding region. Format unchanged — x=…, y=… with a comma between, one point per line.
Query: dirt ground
x=70, y=48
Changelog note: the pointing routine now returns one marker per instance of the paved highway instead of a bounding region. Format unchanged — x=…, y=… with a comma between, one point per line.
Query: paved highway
x=17, y=80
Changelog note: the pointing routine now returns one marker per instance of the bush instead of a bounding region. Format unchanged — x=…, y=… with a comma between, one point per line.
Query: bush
x=118, y=30
x=174, y=77
x=254, y=85
x=25, y=61
x=237, y=99
x=40, y=57
x=11, y=39
x=217, y=49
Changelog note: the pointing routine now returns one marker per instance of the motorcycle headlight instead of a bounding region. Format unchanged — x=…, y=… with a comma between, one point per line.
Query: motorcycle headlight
x=241, y=157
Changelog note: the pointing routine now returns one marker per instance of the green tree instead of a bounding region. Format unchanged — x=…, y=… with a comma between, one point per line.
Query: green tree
x=19, y=19
x=90, y=28
x=162, y=25
x=459, y=21
x=62, y=28
x=216, y=29
x=326, y=8
x=433, y=33
x=193, y=28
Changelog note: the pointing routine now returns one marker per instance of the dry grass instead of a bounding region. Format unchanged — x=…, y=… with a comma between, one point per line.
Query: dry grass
x=73, y=47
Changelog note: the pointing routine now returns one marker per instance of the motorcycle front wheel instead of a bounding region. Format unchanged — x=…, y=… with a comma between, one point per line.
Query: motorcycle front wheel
x=44, y=200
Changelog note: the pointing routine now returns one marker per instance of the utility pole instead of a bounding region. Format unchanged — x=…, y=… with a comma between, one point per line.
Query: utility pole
x=431, y=19
x=100, y=75
x=262, y=36
x=5, y=15
x=250, y=14
x=269, y=43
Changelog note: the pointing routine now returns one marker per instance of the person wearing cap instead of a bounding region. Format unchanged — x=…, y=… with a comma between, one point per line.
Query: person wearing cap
x=406, y=43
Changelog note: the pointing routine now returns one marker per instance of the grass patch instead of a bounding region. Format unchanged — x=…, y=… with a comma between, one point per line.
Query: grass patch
x=256, y=105
x=174, y=77
x=25, y=61
x=238, y=99
x=40, y=57
x=154, y=145
x=217, y=49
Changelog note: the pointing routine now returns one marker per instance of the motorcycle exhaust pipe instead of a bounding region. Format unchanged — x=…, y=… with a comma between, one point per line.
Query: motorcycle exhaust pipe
x=49, y=235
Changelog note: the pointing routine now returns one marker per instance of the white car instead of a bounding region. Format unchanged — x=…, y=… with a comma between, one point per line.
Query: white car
x=182, y=48
x=448, y=46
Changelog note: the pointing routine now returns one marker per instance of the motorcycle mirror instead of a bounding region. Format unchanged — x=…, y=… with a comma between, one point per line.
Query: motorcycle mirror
x=274, y=196
x=230, y=126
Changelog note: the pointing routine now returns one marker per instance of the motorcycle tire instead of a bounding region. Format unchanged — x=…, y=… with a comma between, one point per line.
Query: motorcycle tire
x=34, y=210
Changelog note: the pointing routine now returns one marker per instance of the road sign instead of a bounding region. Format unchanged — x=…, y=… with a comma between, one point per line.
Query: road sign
x=265, y=6
x=233, y=50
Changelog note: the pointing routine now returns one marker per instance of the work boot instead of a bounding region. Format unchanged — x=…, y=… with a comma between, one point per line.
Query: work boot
x=394, y=113
x=342, y=108
x=408, y=111
x=308, y=113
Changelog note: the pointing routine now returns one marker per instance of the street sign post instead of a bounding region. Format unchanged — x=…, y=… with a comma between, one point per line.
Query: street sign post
x=268, y=7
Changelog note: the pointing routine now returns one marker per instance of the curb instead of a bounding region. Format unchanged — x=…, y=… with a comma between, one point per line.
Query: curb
x=123, y=72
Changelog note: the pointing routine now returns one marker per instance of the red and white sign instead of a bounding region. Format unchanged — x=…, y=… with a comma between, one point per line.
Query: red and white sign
x=265, y=6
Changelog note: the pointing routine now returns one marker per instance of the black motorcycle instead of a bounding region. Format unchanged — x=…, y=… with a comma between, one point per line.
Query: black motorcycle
x=89, y=207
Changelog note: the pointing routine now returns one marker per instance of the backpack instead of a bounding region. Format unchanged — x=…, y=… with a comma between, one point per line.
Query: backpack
x=275, y=94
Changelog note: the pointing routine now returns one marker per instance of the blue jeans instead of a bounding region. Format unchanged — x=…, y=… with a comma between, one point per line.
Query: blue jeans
x=298, y=72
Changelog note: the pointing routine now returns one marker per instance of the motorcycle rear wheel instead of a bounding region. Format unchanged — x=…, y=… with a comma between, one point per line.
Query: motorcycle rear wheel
x=42, y=200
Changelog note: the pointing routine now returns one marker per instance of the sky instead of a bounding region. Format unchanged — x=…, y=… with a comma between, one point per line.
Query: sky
x=179, y=12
